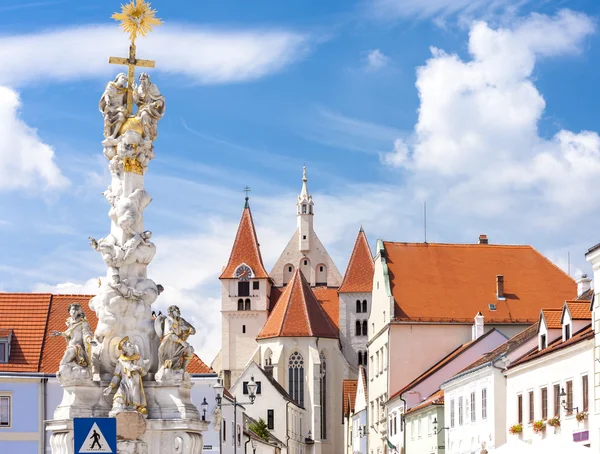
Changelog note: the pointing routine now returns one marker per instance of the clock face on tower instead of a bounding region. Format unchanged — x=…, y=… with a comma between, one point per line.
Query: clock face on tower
x=243, y=272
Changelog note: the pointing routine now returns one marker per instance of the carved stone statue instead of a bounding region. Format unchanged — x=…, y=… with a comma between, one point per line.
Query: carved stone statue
x=173, y=330
x=138, y=249
x=127, y=379
x=127, y=212
x=151, y=105
x=122, y=288
x=111, y=253
x=77, y=360
x=112, y=105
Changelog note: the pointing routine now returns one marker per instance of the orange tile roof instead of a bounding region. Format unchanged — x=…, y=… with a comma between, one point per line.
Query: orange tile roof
x=451, y=282
x=245, y=249
x=552, y=317
x=579, y=310
x=25, y=314
x=437, y=398
x=330, y=302
x=298, y=313
x=349, y=388
x=33, y=349
x=359, y=274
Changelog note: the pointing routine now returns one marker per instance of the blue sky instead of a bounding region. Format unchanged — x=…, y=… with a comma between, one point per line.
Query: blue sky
x=488, y=110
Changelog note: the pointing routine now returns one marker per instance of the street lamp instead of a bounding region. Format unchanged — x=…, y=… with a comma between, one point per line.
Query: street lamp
x=563, y=401
x=219, y=388
x=435, y=427
x=253, y=443
x=204, y=406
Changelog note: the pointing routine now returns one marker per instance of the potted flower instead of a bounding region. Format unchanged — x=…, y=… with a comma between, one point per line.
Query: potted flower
x=516, y=429
x=539, y=426
x=581, y=416
x=554, y=422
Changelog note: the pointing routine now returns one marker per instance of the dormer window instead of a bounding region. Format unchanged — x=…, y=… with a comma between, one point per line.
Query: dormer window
x=567, y=332
x=543, y=342
x=5, y=340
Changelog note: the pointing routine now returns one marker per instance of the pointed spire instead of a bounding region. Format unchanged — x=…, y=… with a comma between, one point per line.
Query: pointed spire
x=298, y=313
x=245, y=249
x=359, y=274
x=304, y=195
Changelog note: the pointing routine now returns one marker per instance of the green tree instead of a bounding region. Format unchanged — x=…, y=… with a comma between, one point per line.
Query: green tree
x=260, y=428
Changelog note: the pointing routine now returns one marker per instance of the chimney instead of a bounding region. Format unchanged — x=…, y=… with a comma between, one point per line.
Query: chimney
x=584, y=283
x=483, y=239
x=500, y=287
x=269, y=370
x=478, y=327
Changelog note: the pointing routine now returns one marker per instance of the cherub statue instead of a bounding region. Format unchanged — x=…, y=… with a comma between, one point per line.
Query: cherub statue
x=151, y=105
x=111, y=252
x=127, y=211
x=127, y=379
x=79, y=337
x=138, y=249
x=113, y=106
x=122, y=288
x=173, y=330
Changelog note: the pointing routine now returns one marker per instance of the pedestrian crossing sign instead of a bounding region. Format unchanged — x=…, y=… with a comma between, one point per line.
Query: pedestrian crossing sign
x=97, y=435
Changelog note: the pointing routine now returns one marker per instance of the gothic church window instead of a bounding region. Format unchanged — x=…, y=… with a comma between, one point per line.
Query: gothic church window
x=323, y=376
x=364, y=306
x=358, y=307
x=358, y=328
x=240, y=304
x=296, y=378
x=247, y=304
x=364, y=328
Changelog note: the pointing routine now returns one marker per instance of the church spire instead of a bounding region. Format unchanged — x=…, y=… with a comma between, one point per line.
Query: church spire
x=304, y=213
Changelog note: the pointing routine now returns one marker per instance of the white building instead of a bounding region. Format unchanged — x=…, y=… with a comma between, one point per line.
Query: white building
x=357, y=418
x=423, y=430
x=555, y=380
x=426, y=294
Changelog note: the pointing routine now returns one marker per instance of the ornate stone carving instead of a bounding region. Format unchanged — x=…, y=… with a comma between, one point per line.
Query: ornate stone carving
x=151, y=105
x=127, y=380
x=76, y=363
x=112, y=105
x=174, y=353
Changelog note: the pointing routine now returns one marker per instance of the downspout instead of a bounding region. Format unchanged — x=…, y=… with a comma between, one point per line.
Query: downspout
x=246, y=445
x=287, y=428
x=403, y=423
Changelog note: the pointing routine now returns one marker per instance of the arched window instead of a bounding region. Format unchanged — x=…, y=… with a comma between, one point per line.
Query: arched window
x=358, y=311
x=360, y=358
x=323, y=376
x=364, y=306
x=296, y=378
x=310, y=209
x=358, y=329
x=364, y=330
x=268, y=357
x=303, y=209
x=247, y=304
x=240, y=304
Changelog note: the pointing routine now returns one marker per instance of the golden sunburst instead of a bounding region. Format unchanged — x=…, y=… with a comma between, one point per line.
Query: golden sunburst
x=136, y=18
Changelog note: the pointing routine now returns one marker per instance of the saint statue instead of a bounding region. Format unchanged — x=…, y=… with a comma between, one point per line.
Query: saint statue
x=79, y=339
x=151, y=105
x=127, y=379
x=112, y=105
x=174, y=351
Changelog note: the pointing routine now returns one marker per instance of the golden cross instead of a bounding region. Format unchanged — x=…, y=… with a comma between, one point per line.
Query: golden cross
x=131, y=62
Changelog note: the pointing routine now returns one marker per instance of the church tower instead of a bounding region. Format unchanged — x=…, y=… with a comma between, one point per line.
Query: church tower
x=304, y=250
x=245, y=291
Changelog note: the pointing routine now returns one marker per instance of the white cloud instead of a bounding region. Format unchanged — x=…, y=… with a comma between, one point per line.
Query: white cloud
x=376, y=60
x=438, y=9
x=477, y=132
x=25, y=161
x=204, y=55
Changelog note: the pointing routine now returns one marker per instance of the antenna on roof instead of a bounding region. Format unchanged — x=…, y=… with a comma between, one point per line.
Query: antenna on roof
x=425, y=220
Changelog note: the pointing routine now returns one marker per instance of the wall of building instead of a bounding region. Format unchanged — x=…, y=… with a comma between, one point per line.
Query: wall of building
x=25, y=434
x=351, y=343
x=556, y=368
x=359, y=433
x=420, y=437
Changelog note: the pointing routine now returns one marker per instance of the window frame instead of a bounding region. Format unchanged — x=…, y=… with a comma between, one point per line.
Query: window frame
x=271, y=419
x=8, y=397
x=473, y=416
x=484, y=403
x=585, y=392
x=544, y=402
x=531, y=407
x=460, y=411
x=520, y=408
x=556, y=397
x=569, y=386
x=451, y=413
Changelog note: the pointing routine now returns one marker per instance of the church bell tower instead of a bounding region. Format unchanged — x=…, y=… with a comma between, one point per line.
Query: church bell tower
x=305, y=215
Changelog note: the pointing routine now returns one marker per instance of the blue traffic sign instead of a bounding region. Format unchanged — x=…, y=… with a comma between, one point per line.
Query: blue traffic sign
x=97, y=435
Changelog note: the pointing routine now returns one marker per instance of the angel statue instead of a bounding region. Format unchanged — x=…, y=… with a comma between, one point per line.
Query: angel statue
x=112, y=105
x=127, y=378
x=173, y=330
x=151, y=105
x=79, y=337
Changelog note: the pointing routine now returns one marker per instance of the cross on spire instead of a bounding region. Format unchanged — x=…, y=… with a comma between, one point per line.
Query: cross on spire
x=246, y=190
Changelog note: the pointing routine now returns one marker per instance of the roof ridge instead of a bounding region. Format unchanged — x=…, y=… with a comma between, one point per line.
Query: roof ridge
x=469, y=245
x=49, y=309
x=303, y=293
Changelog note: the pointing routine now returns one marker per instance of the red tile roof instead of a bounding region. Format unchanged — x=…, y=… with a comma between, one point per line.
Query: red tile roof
x=25, y=314
x=579, y=310
x=349, y=388
x=33, y=349
x=330, y=302
x=359, y=274
x=437, y=398
x=298, y=313
x=552, y=317
x=584, y=334
x=245, y=249
x=451, y=282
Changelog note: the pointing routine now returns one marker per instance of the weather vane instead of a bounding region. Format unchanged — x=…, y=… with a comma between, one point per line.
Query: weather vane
x=137, y=18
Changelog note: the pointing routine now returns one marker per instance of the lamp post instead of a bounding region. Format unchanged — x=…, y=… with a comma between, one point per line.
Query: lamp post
x=435, y=427
x=253, y=443
x=252, y=387
x=204, y=406
x=563, y=401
